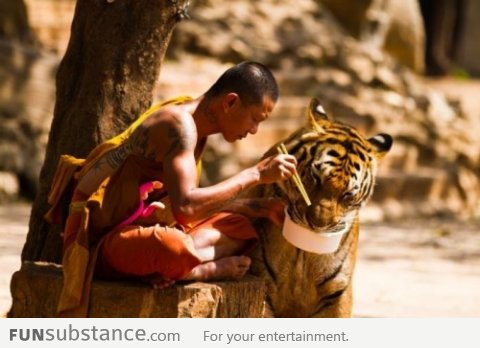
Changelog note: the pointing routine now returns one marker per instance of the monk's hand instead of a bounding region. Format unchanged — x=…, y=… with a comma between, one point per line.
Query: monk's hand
x=276, y=168
x=276, y=211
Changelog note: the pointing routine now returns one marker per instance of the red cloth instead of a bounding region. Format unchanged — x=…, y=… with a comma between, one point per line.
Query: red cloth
x=136, y=251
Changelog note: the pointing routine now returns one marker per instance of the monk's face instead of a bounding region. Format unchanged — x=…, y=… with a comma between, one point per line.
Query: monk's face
x=242, y=119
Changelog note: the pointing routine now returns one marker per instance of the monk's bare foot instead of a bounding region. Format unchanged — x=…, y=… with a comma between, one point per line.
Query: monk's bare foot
x=160, y=282
x=233, y=267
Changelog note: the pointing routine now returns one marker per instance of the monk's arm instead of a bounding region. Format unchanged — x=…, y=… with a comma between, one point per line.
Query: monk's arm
x=271, y=208
x=107, y=164
x=191, y=203
x=103, y=167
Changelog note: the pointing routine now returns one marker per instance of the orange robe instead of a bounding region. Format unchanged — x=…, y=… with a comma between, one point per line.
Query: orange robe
x=97, y=241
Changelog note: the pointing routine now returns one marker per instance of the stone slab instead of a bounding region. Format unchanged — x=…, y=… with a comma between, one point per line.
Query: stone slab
x=36, y=287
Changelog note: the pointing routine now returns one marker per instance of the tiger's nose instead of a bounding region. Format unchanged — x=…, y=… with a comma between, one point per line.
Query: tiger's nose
x=347, y=196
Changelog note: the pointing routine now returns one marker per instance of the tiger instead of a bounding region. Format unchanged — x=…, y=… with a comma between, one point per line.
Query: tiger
x=337, y=166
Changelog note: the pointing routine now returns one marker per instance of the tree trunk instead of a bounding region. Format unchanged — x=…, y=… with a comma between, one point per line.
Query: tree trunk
x=104, y=82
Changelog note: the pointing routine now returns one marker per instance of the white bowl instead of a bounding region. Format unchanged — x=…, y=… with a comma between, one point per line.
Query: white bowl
x=311, y=241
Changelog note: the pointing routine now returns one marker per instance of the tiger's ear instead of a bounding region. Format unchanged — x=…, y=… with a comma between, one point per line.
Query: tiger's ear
x=316, y=115
x=382, y=143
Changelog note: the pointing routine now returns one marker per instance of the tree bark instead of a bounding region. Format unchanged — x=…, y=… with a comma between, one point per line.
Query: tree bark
x=104, y=82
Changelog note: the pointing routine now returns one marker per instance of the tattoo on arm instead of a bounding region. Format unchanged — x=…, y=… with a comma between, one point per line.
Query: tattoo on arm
x=138, y=141
x=116, y=157
x=97, y=167
x=181, y=137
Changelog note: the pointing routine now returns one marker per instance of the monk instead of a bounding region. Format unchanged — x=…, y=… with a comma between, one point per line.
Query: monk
x=137, y=211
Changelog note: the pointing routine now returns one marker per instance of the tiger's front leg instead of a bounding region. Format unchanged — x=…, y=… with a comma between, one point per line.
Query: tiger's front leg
x=341, y=307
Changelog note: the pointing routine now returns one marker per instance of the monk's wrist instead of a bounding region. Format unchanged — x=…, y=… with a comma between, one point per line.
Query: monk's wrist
x=251, y=177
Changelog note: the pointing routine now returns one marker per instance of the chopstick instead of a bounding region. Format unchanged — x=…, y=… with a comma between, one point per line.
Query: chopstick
x=296, y=178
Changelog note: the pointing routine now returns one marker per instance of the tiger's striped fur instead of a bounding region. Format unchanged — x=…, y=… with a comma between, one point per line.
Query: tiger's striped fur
x=337, y=167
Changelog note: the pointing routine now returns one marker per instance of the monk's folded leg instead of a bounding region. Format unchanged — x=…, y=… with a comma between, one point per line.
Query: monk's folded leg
x=224, y=234
x=231, y=267
x=220, y=241
x=209, y=251
x=144, y=252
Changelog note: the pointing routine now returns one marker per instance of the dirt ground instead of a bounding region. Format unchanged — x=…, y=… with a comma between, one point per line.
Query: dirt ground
x=13, y=231
x=424, y=268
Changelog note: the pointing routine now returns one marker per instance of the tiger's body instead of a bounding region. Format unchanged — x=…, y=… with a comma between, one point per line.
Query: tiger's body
x=337, y=167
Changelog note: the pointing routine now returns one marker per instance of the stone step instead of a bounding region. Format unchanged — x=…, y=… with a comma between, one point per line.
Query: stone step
x=402, y=156
x=425, y=184
x=254, y=146
x=51, y=21
x=293, y=107
x=293, y=82
x=396, y=209
x=36, y=287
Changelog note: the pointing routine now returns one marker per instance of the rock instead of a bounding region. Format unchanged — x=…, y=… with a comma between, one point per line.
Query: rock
x=51, y=21
x=406, y=37
x=27, y=97
x=36, y=287
x=350, y=14
x=361, y=66
x=388, y=78
x=267, y=31
x=395, y=26
x=14, y=21
x=470, y=186
x=9, y=186
x=439, y=110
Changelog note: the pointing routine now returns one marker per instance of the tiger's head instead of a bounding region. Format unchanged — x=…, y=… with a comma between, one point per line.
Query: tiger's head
x=337, y=166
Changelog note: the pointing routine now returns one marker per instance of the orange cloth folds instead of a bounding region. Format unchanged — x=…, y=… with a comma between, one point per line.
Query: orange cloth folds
x=91, y=218
x=136, y=251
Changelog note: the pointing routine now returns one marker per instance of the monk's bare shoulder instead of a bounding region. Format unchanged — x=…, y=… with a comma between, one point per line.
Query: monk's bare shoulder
x=170, y=130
